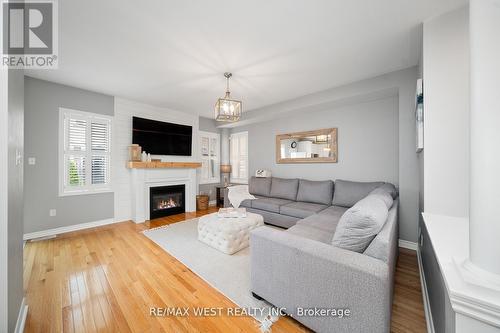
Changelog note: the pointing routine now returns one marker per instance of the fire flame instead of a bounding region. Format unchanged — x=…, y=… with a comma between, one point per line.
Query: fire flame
x=164, y=204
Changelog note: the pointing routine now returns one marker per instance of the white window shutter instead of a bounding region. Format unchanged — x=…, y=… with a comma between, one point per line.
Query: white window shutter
x=85, y=152
x=99, y=136
x=77, y=134
x=100, y=170
x=75, y=166
x=239, y=157
x=209, y=156
x=99, y=143
x=243, y=156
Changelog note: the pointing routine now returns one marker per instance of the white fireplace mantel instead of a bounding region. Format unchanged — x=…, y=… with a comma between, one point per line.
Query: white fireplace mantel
x=144, y=179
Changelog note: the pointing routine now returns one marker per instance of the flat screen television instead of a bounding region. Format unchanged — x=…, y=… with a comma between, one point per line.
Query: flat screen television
x=161, y=138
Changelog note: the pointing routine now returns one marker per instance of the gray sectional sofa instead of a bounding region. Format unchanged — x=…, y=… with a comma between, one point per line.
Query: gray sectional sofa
x=310, y=266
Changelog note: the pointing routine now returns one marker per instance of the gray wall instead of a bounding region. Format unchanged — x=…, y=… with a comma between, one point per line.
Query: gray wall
x=367, y=142
x=42, y=102
x=401, y=83
x=408, y=160
x=208, y=125
x=11, y=197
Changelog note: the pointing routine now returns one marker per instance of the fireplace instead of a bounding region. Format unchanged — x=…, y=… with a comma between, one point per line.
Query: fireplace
x=166, y=200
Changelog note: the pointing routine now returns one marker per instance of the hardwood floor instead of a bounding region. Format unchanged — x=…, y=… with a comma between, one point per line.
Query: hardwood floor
x=407, y=306
x=105, y=280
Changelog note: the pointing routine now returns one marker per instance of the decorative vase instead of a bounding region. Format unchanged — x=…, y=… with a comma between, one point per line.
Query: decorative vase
x=134, y=152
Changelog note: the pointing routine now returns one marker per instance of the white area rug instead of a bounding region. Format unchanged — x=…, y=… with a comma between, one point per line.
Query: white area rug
x=229, y=274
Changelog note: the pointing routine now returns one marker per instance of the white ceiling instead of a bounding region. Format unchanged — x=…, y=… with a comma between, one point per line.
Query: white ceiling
x=174, y=53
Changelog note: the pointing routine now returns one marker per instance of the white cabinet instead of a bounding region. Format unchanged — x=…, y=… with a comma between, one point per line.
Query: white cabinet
x=210, y=157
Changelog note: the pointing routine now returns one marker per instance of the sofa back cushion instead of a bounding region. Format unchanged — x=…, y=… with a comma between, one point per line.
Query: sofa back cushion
x=260, y=186
x=387, y=188
x=348, y=193
x=315, y=191
x=360, y=224
x=284, y=188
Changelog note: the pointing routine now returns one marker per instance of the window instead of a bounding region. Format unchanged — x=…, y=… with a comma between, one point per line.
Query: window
x=239, y=157
x=84, y=152
x=210, y=157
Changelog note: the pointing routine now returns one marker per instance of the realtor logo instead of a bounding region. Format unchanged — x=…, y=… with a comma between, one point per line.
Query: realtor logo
x=29, y=34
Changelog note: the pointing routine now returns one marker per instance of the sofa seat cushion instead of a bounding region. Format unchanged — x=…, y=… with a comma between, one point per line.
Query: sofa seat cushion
x=311, y=233
x=301, y=209
x=335, y=212
x=269, y=204
x=247, y=203
x=348, y=193
x=284, y=188
x=320, y=192
x=275, y=219
x=260, y=186
x=360, y=224
x=327, y=223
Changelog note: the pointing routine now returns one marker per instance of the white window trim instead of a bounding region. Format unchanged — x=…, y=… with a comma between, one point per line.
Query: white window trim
x=210, y=135
x=87, y=189
x=231, y=178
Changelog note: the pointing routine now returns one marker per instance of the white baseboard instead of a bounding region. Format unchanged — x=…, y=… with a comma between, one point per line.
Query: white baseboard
x=408, y=245
x=21, y=317
x=62, y=230
x=425, y=296
x=212, y=203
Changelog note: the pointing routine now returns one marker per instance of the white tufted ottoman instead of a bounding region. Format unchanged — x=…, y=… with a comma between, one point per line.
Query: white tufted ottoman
x=227, y=234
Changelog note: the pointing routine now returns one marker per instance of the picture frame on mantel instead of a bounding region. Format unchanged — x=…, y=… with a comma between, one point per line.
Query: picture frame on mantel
x=419, y=116
x=317, y=146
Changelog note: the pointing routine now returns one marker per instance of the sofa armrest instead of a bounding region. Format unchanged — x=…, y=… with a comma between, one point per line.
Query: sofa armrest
x=295, y=272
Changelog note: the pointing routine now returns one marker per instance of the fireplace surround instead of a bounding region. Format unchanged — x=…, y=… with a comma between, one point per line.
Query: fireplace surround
x=145, y=178
x=166, y=200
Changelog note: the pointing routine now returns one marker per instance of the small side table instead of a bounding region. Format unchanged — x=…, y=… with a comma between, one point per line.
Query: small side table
x=220, y=195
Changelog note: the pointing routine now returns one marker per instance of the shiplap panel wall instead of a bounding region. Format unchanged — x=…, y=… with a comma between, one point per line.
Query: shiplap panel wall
x=122, y=138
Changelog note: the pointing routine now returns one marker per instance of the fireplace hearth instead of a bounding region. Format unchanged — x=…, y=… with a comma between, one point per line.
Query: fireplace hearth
x=166, y=200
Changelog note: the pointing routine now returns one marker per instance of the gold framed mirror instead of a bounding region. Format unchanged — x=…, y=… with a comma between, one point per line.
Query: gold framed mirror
x=319, y=146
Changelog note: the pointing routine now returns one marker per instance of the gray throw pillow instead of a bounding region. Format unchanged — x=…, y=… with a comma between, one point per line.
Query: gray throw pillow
x=260, y=186
x=384, y=196
x=360, y=224
x=347, y=193
x=387, y=188
x=284, y=188
x=315, y=191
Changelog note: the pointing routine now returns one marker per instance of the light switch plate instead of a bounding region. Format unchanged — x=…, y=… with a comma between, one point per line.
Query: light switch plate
x=31, y=160
x=52, y=212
